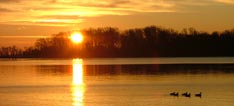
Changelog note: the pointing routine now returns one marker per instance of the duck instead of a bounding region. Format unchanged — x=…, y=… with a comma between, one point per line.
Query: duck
x=183, y=94
x=174, y=94
x=198, y=95
x=186, y=94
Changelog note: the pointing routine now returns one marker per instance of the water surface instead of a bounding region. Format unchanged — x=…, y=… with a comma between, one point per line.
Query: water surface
x=115, y=82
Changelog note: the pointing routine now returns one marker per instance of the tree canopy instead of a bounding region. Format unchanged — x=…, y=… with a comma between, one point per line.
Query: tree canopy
x=150, y=41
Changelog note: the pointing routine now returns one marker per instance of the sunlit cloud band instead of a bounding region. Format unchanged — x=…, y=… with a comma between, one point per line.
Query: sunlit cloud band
x=71, y=12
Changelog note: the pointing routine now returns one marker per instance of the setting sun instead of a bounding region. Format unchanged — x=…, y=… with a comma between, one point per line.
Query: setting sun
x=76, y=37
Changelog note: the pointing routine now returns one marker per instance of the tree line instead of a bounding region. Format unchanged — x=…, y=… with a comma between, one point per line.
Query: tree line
x=150, y=41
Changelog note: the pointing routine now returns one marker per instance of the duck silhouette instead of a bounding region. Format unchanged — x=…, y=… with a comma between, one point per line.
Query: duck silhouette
x=183, y=94
x=198, y=95
x=174, y=94
x=186, y=94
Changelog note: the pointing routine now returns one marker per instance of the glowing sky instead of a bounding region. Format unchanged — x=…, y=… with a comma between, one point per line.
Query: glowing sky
x=45, y=17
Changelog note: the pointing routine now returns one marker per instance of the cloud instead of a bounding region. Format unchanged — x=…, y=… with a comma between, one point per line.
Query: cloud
x=109, y=5
x=191, y=2
x=5, y=10
x=61, y=16
x=9, y=1
x=226, y=1
x=44, y=22
x=73, y=11
x=102, y=3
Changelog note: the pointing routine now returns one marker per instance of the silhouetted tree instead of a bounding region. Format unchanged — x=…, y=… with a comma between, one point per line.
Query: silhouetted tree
x=151, y=41
x=11, y=51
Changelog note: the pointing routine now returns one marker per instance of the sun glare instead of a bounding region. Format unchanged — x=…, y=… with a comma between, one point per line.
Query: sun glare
x=76, y=37
x=77, y=72
x=78, y=87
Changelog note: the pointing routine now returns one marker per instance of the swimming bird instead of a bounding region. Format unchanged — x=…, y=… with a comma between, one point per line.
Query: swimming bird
x=174, y=94
x=198, y=95
x=183, y=94
x=186, y=94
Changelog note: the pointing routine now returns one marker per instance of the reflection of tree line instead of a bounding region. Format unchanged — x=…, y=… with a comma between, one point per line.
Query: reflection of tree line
x=154, y=69
x=54, y=69
x=150, y=41
x=151, y=69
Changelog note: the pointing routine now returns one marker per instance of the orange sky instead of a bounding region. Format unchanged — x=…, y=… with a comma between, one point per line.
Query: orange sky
x=22, y=18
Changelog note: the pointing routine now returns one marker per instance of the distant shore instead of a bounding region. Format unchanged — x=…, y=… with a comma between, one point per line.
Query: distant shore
x=150, y=41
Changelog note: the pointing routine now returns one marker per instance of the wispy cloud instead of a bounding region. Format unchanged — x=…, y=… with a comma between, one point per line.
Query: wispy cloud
x=70, y=12
x=191, y=2
x=9, y=1
x=24, y=36
x=5, y=10
x=226, y=1
x=66, y=12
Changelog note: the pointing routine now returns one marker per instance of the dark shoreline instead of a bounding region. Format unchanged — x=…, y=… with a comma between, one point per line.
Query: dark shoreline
x=150, y=41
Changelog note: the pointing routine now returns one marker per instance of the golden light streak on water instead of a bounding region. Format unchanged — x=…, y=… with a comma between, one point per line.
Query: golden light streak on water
x=78, y=86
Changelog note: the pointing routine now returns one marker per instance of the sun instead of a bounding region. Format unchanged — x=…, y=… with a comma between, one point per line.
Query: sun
x=76, y=37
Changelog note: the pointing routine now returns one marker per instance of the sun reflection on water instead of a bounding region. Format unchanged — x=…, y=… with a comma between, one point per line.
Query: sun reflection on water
x=78, y=86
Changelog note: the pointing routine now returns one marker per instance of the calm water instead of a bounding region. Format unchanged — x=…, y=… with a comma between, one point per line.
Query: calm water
x=116, y=82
